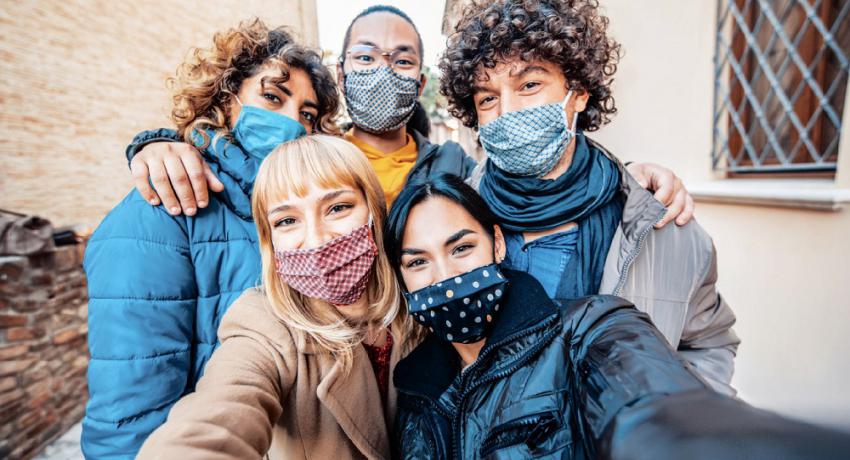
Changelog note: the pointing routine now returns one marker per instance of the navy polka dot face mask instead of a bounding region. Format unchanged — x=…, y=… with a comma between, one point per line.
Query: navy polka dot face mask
x=460, y=309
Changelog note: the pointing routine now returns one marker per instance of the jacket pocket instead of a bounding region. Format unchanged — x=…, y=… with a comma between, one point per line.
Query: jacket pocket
x=531, y=430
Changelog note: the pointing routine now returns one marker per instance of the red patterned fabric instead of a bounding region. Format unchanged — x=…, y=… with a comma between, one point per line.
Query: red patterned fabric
x=380, y=359
x=336, y=272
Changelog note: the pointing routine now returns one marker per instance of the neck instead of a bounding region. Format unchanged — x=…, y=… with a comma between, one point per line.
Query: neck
x=564, y=163
x=468, y=351
x=356, y=311
x=386, y=142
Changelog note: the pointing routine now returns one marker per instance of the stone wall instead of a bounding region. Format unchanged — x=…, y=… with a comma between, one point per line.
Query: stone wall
x=43, y=350
x=79, y=78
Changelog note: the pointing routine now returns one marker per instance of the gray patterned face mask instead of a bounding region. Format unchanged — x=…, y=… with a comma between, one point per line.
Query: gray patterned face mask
x=380, y=100
x=529, y=142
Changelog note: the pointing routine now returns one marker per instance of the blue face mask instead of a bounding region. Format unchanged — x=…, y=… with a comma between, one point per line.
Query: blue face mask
x=529, y=142
x=259, y=131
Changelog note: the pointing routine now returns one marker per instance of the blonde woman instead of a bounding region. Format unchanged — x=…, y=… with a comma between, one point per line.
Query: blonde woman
x=304, y=366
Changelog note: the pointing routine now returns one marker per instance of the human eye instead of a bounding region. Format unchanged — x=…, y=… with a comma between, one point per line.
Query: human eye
x=364, y=58
x=311, y=118
x=271, y=97
x=462, y=249
x=339, y=207
x=284, y=222
x=486, y=101
x=528, y=86
x=413, y=263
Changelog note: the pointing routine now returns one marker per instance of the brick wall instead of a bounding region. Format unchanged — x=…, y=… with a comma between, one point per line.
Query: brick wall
x=79, y=78
x=43, y=352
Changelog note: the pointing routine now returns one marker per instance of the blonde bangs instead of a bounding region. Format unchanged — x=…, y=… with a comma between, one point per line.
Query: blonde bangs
x=290, y=171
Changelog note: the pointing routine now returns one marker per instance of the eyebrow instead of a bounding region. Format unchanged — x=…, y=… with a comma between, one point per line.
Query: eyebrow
x=280, y=84
x=454, y=238
x=528, y=69
x=402, y=47
x=327, y=197
x=449, y=241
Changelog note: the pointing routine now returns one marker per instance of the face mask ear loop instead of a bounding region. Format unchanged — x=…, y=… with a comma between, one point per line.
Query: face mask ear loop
x=571, y=127
x=237, y=100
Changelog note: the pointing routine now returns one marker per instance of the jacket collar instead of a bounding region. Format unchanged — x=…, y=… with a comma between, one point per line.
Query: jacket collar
x=640, y=210
x=354, y=400
x=236, y=170
x=432, y=366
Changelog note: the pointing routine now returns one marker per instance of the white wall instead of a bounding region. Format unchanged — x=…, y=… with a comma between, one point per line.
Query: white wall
x=784, y=271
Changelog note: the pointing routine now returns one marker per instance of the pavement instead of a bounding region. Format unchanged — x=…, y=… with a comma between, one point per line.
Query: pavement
x=67, y=447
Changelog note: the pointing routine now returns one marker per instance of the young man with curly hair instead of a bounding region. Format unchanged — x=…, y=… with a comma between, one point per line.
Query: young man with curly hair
x=533, y=76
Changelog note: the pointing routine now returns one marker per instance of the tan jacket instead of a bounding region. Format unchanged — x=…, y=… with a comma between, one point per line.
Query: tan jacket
x=267, y=391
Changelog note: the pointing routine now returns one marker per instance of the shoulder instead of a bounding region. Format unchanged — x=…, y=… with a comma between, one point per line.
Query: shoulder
x=252, y=315
x=134, y=219
x=688, y=245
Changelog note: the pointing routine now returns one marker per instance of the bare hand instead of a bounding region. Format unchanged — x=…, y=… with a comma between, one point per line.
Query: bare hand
x=179, y=174
x=667, y=188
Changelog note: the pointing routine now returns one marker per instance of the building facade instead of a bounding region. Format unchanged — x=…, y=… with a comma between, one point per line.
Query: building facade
x=80, y=78
x=772, y=181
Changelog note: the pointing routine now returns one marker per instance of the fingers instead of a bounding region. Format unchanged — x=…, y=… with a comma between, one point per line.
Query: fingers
x=688, y=213
x=674, y=209
x=140, y=173
x=159, y=178
x=638, y=173
x=212, y=180
x=179, y=179
x=195, y=168
x=666, y=186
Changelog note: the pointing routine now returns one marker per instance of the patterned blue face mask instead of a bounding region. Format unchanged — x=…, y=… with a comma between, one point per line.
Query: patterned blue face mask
x=380, y=100
x=529, y=142
x=259, y=131
x=460, y=309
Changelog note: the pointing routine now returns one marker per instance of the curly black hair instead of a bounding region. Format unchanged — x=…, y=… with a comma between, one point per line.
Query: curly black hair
x=569, y=33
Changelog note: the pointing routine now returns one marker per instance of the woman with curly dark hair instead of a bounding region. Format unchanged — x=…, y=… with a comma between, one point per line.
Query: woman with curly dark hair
x=533, y=76
x=160, y=284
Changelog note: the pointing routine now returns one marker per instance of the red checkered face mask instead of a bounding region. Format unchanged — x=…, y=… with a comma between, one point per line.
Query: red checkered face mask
x=335, y=272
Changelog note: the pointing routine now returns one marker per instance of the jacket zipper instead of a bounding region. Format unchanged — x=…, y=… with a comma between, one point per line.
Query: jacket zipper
x=633, y=255
x=464, y=391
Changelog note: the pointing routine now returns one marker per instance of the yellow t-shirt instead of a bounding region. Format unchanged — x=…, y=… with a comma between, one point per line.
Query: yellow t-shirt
x=392, y=168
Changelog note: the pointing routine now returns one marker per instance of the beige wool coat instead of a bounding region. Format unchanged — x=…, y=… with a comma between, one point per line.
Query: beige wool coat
x=267, y=392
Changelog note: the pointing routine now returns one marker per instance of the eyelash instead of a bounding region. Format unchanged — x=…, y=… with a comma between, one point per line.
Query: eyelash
x=463, y=247
x=281, y=222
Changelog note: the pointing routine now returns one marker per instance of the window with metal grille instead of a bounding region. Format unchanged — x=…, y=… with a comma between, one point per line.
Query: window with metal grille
x=781, y=70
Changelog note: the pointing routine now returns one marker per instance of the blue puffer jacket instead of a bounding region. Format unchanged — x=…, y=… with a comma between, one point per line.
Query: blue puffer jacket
x=158, y=288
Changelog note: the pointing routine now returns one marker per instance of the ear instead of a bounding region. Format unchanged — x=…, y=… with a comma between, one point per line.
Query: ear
x=423, y=80
x=580, y=101
x=499, y=248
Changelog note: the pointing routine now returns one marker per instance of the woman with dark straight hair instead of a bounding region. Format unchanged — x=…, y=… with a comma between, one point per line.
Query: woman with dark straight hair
x=506, y=373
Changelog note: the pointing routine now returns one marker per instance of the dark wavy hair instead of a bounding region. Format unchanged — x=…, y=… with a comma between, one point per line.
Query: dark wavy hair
x=205, y=82
x=569, y=33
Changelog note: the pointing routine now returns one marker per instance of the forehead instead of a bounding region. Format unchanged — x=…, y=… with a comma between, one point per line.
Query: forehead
x=434, y=220
x=509, y=68
x=384, y=30
x=299, y=82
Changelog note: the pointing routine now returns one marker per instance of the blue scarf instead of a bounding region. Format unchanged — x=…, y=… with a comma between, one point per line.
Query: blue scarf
x=587, y=194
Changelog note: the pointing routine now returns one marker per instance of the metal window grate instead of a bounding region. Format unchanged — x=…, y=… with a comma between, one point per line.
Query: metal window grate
x=781, y=71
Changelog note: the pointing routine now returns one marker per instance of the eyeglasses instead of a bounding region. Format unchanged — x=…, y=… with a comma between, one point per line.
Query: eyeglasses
x=365, y=57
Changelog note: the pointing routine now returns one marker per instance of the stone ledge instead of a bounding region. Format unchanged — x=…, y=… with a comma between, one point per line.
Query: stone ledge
x=813, y=194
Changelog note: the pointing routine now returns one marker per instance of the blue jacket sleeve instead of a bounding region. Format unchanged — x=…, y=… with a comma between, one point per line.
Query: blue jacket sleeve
x=146, y=137
x=142, y=297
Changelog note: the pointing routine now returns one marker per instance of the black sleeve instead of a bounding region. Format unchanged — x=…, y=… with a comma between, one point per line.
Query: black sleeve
x=146, y=137
x=638, y=399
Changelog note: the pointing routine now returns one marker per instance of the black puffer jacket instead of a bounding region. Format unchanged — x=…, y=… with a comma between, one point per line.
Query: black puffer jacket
x=586, y=379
